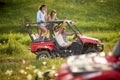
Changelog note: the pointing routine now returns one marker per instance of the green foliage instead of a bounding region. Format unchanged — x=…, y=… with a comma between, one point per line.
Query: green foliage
x=95, y=18
x=14, y=47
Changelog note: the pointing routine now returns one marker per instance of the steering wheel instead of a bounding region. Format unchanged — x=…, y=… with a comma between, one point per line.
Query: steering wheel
x=75, y=36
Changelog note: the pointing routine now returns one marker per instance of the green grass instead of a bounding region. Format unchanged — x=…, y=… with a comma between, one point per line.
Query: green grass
x=94, y=18
x=108, y=37
x=99, y=15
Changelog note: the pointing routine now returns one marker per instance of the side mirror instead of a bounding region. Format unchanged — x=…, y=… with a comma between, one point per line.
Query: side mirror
x=116, y=49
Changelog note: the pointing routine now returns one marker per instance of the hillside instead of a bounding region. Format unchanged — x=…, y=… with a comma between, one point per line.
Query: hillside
x=96, y=14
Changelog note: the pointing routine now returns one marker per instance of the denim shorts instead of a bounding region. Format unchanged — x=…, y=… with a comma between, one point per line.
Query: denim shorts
x=41, y=24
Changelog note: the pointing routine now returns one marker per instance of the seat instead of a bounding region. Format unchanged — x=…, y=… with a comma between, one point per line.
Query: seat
x=34, y=38
x=58, y=46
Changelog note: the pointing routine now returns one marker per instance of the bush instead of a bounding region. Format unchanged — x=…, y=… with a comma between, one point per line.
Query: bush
x=13, y=46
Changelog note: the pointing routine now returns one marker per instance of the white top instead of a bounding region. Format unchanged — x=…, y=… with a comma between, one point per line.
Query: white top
x=52, y=18
x=33, y=36
x=40, y=16
x=59, y=38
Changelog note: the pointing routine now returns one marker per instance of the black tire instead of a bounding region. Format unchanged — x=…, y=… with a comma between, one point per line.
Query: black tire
x=92, y=50
x=42, y=54
x=76, y=48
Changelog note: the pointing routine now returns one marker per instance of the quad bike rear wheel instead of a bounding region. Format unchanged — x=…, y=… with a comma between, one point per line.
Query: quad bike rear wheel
x=42, y=54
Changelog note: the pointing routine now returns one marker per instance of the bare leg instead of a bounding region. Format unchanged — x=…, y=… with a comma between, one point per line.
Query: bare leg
x=45, y=31
x=39, y=33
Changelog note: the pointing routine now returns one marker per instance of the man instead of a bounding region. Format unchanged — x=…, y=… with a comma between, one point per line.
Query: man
x=61, y=35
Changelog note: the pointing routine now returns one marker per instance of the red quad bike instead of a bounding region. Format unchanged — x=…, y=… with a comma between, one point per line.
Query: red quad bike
x=92, y=67
x=50, y=48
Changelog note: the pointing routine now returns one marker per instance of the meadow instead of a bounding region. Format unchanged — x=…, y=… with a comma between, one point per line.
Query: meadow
x=95, y=18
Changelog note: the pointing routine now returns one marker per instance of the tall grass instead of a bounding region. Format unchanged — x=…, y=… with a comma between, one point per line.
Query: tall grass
x=109, y=38
x=21, y=69
x=15, y=45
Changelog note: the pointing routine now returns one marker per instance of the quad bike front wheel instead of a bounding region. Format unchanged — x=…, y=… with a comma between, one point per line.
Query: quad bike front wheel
x=90, y=50
x=42, y=54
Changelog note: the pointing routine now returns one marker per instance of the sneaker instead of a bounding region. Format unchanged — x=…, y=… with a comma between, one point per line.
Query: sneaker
x=47, y=39
x=41, y=39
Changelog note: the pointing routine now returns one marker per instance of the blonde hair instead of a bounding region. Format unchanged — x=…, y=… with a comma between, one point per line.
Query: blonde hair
x=53, y=11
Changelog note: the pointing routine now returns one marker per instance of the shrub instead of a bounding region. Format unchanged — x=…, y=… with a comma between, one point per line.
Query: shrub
x=13, y=46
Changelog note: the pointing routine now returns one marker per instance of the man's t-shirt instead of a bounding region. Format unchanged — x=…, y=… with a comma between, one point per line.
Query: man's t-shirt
x=61, y=39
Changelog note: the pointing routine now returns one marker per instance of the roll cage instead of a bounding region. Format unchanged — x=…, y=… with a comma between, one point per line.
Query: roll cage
x=70, y=24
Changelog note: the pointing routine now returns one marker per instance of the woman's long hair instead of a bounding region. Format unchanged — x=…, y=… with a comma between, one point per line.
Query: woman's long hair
x=53, y=11
x=40, y=8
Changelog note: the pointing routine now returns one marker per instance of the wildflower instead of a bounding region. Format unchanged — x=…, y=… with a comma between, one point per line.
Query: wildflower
x=119, y=33
x=44, y=63
x=27, y=67
x=3, y=41
x=33, y=67
x=53, y=67
x=23, y=61
x=29, y=77
x=36, y=70
x=30, y=67
x=40, y=74
x=9, y=72
x=61, y=58
x=51, y=74
x=23, y=71
x=101, y=1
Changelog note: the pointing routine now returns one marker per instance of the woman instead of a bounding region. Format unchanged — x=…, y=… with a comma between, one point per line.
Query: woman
x=52, y=15
x=41, y=17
